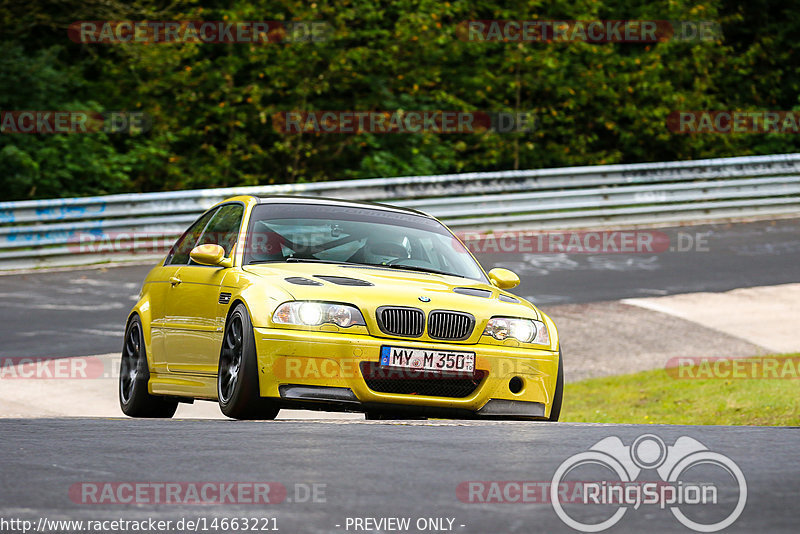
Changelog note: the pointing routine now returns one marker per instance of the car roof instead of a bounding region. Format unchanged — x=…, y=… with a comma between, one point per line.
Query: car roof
x=297, y=199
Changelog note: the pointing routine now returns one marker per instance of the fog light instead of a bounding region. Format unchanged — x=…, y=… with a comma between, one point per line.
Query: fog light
x=515, y=384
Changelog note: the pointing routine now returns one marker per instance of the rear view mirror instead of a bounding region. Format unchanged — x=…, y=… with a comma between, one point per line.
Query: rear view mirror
x=210, y=255
x=503, y=278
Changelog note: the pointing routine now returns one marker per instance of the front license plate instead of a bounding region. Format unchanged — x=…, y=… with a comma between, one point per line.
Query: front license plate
x=428, y=360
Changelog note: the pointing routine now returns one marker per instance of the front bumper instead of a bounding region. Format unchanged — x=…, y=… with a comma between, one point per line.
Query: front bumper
x=297, y=366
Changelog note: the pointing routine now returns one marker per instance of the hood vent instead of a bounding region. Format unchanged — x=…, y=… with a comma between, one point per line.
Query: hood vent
x=343, y=280
x=300, y=281
x=473, y=292
x=506, y=298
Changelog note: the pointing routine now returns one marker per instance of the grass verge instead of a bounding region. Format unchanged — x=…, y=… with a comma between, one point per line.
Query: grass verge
x=763, y=390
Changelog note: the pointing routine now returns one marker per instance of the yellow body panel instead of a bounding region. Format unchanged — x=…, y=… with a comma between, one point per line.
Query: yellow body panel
x=183, y=325
x=328, y=359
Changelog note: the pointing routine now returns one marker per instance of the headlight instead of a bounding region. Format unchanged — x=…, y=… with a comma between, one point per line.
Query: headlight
x=309, y=313
x=524, y=330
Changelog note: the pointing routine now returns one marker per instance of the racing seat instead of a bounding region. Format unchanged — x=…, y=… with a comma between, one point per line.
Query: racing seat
x=267, y=245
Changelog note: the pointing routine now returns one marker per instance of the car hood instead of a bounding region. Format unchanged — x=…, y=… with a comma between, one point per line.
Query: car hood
x=371, y=287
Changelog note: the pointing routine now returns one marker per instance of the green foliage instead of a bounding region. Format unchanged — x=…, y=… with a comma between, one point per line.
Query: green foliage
x=660, y=398
x=212, y=104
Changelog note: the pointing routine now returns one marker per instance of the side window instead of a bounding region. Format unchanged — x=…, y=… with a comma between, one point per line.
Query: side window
x=179, y=255
x=223, y=230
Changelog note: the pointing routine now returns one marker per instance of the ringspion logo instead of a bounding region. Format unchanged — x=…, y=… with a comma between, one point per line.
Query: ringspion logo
x=539, y=492
x=690, y=474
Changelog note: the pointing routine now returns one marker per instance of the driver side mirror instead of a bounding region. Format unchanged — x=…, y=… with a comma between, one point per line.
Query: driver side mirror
x=503, y=278
x=213, y=255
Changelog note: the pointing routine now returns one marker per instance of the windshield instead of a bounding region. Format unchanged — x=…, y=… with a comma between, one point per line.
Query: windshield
x=355, y=235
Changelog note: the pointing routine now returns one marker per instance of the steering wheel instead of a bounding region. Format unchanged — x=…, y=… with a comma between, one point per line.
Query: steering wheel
x=387, y=248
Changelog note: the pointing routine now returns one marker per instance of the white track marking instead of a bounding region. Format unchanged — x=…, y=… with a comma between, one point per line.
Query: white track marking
x=768, y=316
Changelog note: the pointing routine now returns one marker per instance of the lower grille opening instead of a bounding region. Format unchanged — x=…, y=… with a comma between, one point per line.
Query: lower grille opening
x=427, y=383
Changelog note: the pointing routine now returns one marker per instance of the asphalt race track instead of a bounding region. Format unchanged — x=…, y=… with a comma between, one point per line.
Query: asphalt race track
x=354, y=476
x=79, y=312
x=362, y=469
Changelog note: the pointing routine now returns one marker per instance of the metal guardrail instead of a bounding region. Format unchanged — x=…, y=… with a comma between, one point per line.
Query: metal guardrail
x=93, y=229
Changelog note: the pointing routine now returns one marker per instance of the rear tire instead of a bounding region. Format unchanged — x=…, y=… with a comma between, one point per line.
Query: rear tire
x=237, y=375
x=134, y=375
x=558, y=396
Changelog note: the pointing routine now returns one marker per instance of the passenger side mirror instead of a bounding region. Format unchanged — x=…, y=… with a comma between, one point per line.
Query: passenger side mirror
x=213, y=255
x=503, y=278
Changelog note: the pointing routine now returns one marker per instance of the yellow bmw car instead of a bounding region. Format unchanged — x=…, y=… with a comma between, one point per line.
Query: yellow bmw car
x=292, y=302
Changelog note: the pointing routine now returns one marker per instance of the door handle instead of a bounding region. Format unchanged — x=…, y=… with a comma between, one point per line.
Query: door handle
x=174, y=280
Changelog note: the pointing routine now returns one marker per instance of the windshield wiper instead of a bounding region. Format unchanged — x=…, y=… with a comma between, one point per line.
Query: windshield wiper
x=414, y=268
x=292, y=259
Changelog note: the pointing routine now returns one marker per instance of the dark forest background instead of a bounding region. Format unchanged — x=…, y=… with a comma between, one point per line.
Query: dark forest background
x=212, y=104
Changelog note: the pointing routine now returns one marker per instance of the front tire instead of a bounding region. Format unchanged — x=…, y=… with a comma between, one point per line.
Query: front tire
x=237, y=376
x=134, y=374
x=558, y=396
